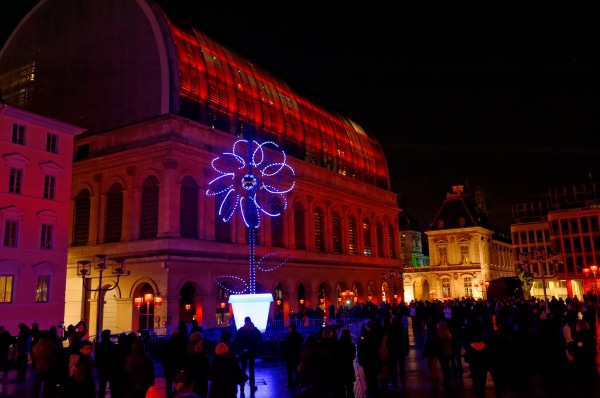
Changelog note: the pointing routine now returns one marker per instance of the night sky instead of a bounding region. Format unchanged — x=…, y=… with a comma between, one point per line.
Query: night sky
x=501, y=96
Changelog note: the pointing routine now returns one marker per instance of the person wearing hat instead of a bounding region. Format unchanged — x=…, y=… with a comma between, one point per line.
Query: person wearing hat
x=247, y=344
x=225, y=374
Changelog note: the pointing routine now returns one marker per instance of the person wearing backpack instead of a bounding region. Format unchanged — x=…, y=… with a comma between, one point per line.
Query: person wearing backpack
x=81, y=372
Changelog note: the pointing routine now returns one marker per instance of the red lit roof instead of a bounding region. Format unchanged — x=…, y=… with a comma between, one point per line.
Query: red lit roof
x=214, y=76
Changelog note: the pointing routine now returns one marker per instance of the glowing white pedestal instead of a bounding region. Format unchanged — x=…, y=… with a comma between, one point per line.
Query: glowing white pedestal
x=256, y=306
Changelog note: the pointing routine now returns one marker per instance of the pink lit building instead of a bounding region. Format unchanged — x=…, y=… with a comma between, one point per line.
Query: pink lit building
x=35, y=186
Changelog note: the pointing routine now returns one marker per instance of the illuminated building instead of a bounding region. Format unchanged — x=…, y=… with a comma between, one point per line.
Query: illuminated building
x=562, y=224
x=159, y=99
x=464, y=251
x=35, y=186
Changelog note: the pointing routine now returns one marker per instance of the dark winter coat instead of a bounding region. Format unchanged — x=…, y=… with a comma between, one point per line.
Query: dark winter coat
x=225, y=375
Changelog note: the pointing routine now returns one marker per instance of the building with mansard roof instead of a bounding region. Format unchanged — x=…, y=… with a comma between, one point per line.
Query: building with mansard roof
x=160, y=100
x=464, y=251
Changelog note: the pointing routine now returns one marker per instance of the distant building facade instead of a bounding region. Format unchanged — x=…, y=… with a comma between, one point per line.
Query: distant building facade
x=35, y=204
x=557, y=236
x=163, y=103
x=464, y=251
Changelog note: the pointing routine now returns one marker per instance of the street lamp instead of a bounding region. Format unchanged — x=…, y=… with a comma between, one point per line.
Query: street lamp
x=147, y=299
x=594, y=271
x=84, y=270
x=481, y=285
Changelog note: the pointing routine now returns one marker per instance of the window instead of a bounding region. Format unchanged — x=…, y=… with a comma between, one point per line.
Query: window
x=391, y=246
x=277, y=224
x=443, y=256
x=222, y=228
x=150, y=209
x=368, y=249
x=49, y=186
x=6, y=288
x=336, y=230
x=43, y=287
x=51, y=143
x=46, y=237
x=114, y=213
x=15, y=181
x=188, y=208
x=11, y=231
x=352, y=236
x=318, y=221
x=81, y=224
x=468, y=286
x=464, y=253
x=299, y=228
x=380, y=241
x=18, y=134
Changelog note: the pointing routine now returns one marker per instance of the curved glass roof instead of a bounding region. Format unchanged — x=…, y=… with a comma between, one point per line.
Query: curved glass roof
x=227, y=91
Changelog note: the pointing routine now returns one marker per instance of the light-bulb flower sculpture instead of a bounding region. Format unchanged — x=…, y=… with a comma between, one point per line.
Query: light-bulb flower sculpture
x=249, y=180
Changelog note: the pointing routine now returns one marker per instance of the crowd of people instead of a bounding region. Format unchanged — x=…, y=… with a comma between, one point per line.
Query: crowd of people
x=517, y=342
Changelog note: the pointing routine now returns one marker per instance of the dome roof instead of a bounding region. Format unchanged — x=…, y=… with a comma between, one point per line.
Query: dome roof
x=117, y=62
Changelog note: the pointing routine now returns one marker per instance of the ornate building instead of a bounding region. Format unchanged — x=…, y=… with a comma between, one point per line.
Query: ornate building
x=464, y=251
x=161, y=100
x=35, y=186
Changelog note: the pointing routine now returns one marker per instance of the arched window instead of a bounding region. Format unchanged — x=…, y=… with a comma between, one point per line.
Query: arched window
x=149, y=217
x=319, y=219
x=336, y=231
x=299, y=227
x=352, y=236
x=380, y=240
x=114, y=213
x=81, y=218
x=391, y=245
x=366, y=227
x=222, y=228
x=277, y=224
x=188, y=208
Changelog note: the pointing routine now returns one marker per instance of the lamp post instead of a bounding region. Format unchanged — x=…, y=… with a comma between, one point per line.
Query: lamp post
x=148, y=299
x=594, y=270
x=481, y=285
x=84, y=270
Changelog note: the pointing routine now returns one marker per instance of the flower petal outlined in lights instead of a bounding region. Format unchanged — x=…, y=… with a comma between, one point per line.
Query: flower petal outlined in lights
x=250, y=178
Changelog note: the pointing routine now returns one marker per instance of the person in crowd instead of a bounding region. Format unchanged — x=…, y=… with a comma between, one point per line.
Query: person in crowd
x=23, y=347
x=292, y=343
x=118, y=379
x=455, y=325
x=227, y=338
x=195, y=327
x=398, y=347
x=328, y=356
x=431, y=352
x=139, y=369
x=248, y=343
x=345, y=355
x=35, y=336
x=581, y=353
x=81, y=372
x=183, y=331
x=196, y=361
x=444, y=339
x=475, y=356
x=225, y=374
x=44, y=355
x=368, y=357
x=183, y=384
x=75, y=334
x=6, y=341
x=309, y=366
x=172, y=358
x=104, y=356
